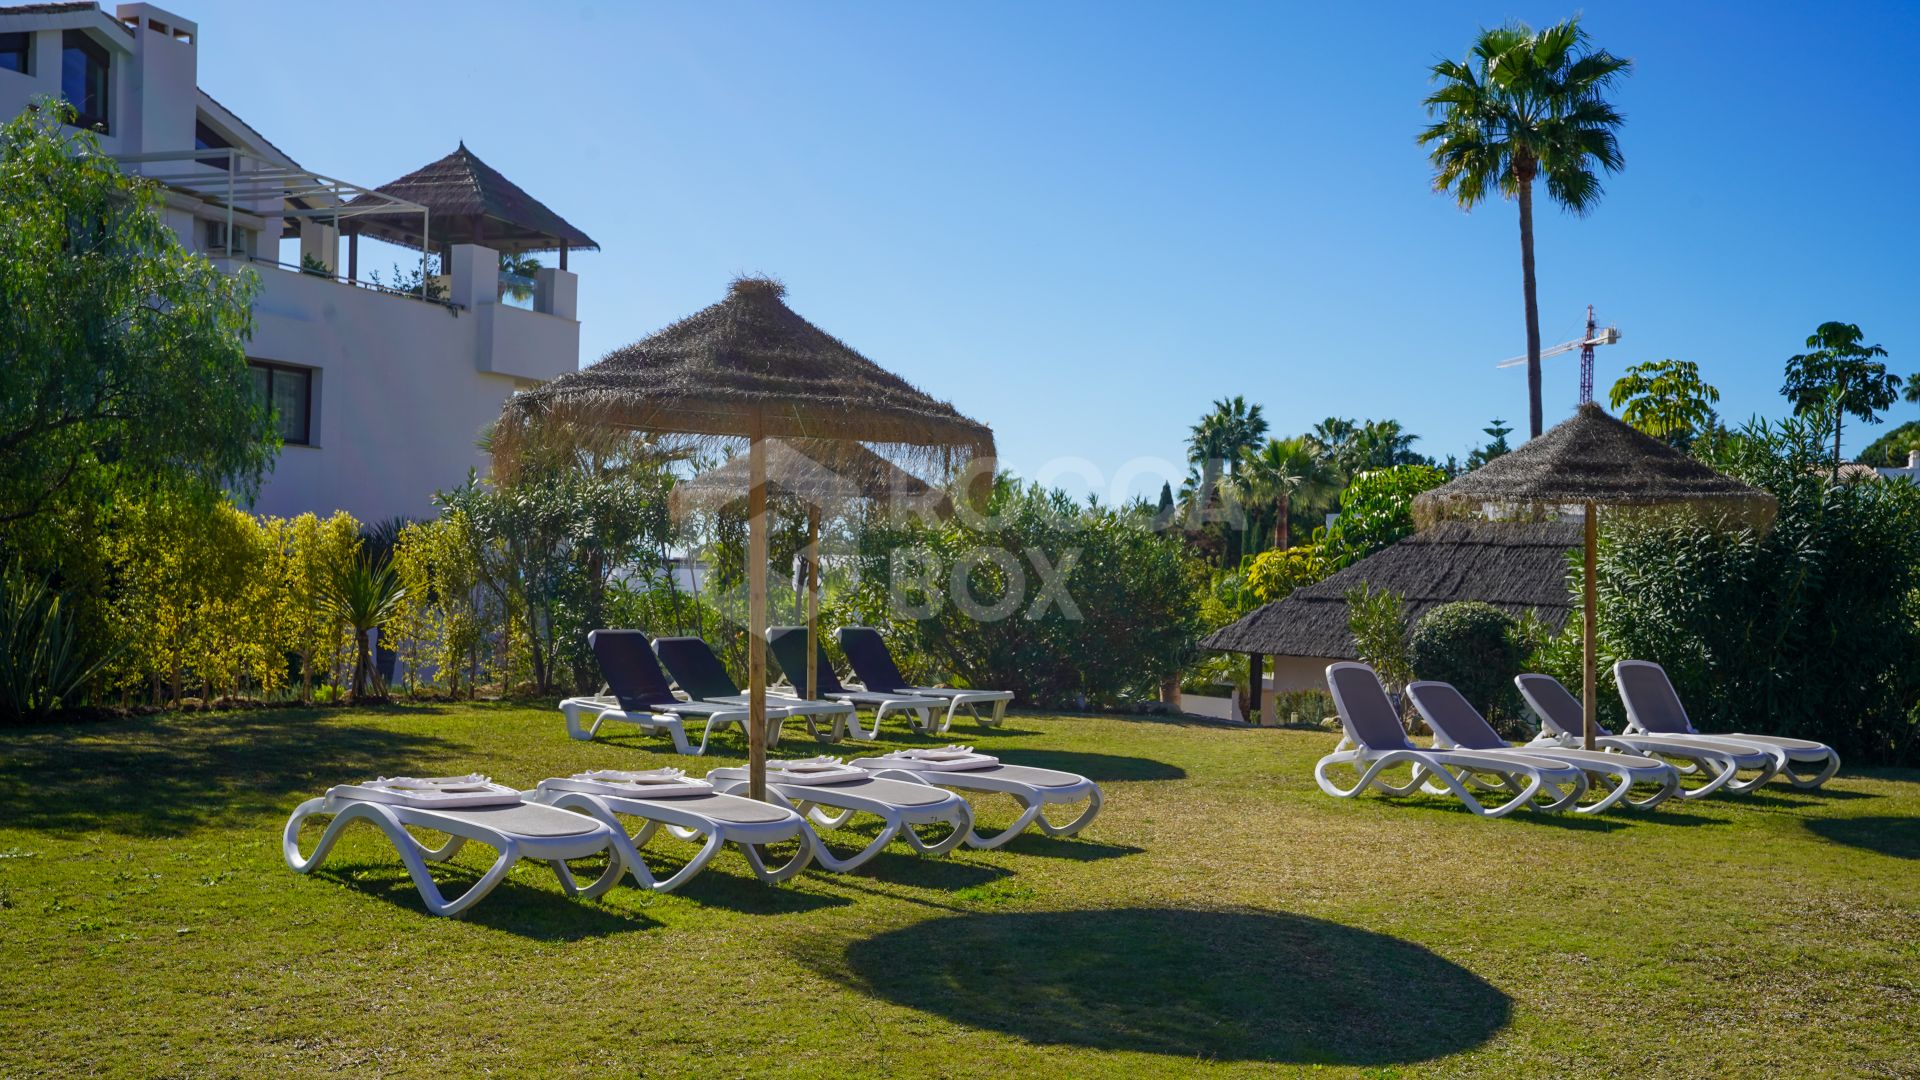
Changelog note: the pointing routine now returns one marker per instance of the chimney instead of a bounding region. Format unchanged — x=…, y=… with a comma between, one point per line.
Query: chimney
x=1913, y=461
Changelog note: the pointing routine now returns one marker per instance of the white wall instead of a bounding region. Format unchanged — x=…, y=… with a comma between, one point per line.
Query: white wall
x=399, y=399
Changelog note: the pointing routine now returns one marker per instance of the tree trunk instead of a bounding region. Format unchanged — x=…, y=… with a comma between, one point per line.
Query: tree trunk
x=1282, y=527
x=1523, y=172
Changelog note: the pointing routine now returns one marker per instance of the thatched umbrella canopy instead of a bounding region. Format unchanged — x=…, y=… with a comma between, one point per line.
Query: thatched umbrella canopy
x=826, y=476
x=750, y=368
x=1594, y=460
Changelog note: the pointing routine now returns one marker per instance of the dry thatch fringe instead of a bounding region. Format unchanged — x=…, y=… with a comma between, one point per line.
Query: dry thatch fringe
x=1593, y=457
x=833, y=476
x=747, y=358
x=1516, y=567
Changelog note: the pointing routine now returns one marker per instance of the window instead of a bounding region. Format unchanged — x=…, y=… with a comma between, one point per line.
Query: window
x=288, y=391
x=83, y=77
x=214, y=240
x=205, y=138
x=16, y=51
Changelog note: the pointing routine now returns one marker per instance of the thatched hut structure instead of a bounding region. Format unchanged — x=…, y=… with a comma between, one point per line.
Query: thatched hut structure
x=467, y=202
x=1588, y=461
x=750, y=369
x=1517, y=568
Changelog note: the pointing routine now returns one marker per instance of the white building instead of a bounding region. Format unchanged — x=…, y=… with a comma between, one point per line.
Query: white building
x=1911, y=472
x=380, y=394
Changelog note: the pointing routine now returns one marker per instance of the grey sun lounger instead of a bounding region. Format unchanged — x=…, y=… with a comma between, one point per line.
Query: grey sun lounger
x=868, y=654
x=642, y=696
x=464, y=808
x=959, y=768
x=1654, y=708
x=789, y=647
x=901, y=800
x=1457, y=724
x=701, y=675
x=1374, y=742
x=687, y=809
x=1720, y=762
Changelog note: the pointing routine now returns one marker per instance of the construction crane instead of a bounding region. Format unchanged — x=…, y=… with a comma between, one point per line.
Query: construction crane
x=1595, y=336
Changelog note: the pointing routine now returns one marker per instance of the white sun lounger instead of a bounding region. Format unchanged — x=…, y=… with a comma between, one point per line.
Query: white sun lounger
x=1562, y=723
x=1458, y=725
x=687, y=809
x=871, y=660
x=1654, y=709
x=958, y=767
x=465, y=808
x=901, y=800
x=1374, y=742
x=642, y=696
x=789, y=647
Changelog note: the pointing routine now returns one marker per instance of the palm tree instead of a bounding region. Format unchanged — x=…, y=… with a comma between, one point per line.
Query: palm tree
x=1221, y=439
x=1280, y=472
x=364, y=594
x=1382, y=444
x=1526, y=105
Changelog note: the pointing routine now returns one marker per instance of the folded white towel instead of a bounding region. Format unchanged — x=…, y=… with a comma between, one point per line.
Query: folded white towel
x=668, y=783
x=954, y=758
x=431, y=792
x=815, y=770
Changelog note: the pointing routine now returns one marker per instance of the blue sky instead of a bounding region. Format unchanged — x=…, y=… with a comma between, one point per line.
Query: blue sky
x=1081, y=223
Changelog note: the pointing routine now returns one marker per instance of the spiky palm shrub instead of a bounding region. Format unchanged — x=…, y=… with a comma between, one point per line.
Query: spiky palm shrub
x=364, y=594
x=44, y=661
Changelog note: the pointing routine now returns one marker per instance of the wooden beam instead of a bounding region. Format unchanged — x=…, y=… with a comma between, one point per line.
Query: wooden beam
x=757, y=609
x=813, y=602
x=353, y=255
x=1589, y=700
x=1256, y=674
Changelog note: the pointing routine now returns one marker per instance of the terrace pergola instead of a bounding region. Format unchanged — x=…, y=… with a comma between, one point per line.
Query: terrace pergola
x=471, y=202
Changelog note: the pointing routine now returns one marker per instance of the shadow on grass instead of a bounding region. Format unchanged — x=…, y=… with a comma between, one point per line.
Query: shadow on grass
x=1895, y=836
x=162, y=775
x=512, y=908
x=1216, y=985
x=1784, y=797
x=1100, y=768
x=1071, y=848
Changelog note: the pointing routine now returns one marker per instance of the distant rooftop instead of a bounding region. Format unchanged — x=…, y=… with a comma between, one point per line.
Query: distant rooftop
x=472, y=203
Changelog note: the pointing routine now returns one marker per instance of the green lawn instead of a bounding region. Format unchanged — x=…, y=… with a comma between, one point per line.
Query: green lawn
x=1222, y=915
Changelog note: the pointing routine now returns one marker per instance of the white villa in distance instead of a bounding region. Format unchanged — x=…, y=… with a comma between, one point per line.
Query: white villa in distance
x=381, y=394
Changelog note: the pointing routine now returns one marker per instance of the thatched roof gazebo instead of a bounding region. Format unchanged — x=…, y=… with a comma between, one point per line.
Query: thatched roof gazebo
x=1517, y=568
x=1589, y=461
x=749, y=368
x=470, y=202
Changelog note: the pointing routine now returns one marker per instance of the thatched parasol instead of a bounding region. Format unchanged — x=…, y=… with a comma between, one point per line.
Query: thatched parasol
x=1588, y=461
x=749, y=368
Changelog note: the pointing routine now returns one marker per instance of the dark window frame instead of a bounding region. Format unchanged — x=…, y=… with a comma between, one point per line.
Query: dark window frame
x=306, y=421
x=206, y=138
x=97, y=56
x=20, y=43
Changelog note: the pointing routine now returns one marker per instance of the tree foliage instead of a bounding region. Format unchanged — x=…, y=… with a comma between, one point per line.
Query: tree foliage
x=121, y=353
x=1667, y=399
x=1376, y=509
x=1839, y=376
x=1476, y=647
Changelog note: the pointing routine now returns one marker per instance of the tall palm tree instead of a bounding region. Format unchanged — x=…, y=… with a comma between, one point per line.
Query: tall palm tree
x=1524, y=105
x=1382, y=444
x=1282, y=471
x=364, y=595
x=1221, y=439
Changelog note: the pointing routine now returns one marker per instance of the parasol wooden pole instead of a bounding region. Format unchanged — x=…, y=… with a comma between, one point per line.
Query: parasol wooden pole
x=757, y=610
x=810, y=691
x=1589, y=646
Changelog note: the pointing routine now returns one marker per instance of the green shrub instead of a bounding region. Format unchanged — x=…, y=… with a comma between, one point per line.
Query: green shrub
x=1476, y=647
x=1378, y=622
x=1063, y=603
x=1808, y=630
x=43, y=659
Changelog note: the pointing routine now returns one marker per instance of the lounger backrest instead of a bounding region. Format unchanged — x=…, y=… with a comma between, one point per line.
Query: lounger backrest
x=867, y=651
x=630, y=668
x=1650, y=699
x=1450, y=714
x=1365, y=711
x=1559, y=711
x=789, y=647
x=693, y=665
